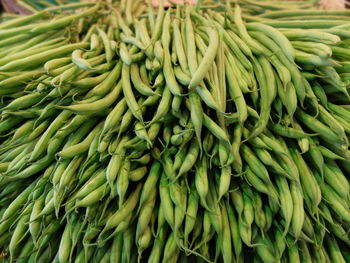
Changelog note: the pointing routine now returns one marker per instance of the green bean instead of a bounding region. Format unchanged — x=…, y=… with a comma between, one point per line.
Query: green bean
x=328, y=119
x=243, y=33
x=298, y=209
x=121, y=214
x=121, y=23
x=27, y=247
x=190, y=159
x=266, y=251
x=41, y=58
x=166, y=203
x=144, y=241
x=104, y=142
x=16, y=204
x=163, y=107
x=44, y=140
x=295, y=74
x=179, y=198
x=96, y=106
x=150, y=15
x=337, y=110
x=154, y=130
x=96, y=180
x=17, y=162
x=286, y=202
x=23, y=20
x=277, y=36
x=139, y=85
x=208, y=58
x=158, y=82
x=168, y=71
x=319, y=49
x=112, y=119
x=335, y=177
x=158, y=244
x=158, y=23
x=191, y=213
x=141, y=133
x=116, y=249
x=23, y=102
x=59, y=23
x=201, y=181
x=145, y=38
x=129, y=96
x=4, y=166
x=69, y=6
x=178, y=41
x=18, y=234
x=293, y=251
x=226, y=240
x=224, y=184
x=9, y=32
x=63, y=251
x=290, y=13
x=106, y=44
x=272, y=164
x=215, y=129
x=196, y=112
x=12, y=82
x=238, y=47
x=132, y=40
x=9, y=123
x=317, y=126
x=170, y=248
x=94, y=40
x=248, y=210
x=236, y=93
x=26, y=128
x=78, y=60
x=335, y=252
x=304, y=24
x=122, y=182
x=254, y=163
x=288, y=132
x=190, y=43
x=336, y=203
x=34, y=226
x=328, y=153
x=316, y=155
x=26, y=53
x=256, y=142
x=242, y=46
x=81, y=147
x=336, y=31
x=105, y=86
x=310, y=59
x=339, y=232
x=266, y=102
x=92, y=197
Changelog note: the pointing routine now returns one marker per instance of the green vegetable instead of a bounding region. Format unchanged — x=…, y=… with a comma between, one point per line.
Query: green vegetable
x=215, y=133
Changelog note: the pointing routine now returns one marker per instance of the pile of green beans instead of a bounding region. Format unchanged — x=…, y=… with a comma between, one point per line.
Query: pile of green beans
x=294, y=13
x=130, y=133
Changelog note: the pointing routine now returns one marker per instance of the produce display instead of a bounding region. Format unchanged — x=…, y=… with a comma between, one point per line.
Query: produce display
x=209, y=133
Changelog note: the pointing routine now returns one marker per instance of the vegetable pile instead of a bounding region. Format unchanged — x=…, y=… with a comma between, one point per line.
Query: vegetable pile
x=136, y=134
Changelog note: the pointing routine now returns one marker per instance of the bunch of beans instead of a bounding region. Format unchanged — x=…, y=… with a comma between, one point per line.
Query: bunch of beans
x=301, y=12
x=131, y=133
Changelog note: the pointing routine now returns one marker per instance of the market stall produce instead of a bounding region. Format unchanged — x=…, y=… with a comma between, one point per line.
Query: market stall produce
x=209, y=133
